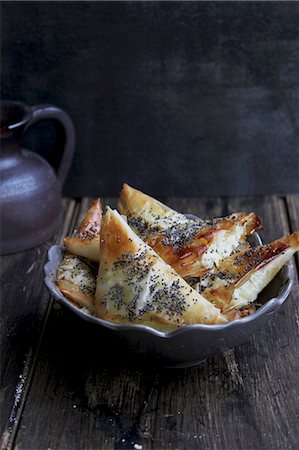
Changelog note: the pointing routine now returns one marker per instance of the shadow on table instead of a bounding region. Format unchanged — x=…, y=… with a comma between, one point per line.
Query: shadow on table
x=92, y=345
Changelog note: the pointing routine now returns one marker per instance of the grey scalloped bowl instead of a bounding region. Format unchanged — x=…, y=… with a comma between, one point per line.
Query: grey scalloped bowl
x=189, y=345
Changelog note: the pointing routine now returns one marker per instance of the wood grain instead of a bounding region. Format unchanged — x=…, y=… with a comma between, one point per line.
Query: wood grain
x=292, y=202
x=24, y=303
x=87, y=393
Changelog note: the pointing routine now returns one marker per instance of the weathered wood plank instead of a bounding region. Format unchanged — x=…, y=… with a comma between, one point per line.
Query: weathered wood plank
x=84, y=394
x=293, y=206
x=24, y=303
x=292, y=202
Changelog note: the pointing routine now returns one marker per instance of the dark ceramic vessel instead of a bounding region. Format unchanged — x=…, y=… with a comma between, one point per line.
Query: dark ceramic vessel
x=30, y=191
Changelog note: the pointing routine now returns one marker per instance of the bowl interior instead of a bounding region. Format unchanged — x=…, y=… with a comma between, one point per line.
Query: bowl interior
x=269, y=299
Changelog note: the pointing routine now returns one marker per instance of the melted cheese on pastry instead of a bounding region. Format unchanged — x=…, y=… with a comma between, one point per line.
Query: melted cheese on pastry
x=86, y=242
x=257, y=281
x=245, y=274
x=190, y=246
x=135, y=285
x=76, y=280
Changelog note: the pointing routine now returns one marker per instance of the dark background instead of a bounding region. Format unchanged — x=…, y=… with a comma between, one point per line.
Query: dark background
x=177, y=98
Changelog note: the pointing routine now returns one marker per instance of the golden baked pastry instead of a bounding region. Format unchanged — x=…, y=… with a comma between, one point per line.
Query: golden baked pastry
x=86, y=242
x=191, y=247
x=245, y=274
x=76, y=279
x=135, y=285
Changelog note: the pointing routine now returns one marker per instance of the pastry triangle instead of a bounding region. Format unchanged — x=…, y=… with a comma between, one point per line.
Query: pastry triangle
x=76, y=279
x=191, y=247
x=245, y=274
x=86, y=242
x=135, y=285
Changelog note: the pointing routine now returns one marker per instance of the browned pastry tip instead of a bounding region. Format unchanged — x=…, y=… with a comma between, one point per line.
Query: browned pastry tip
x=91, y=223
x=85, y=243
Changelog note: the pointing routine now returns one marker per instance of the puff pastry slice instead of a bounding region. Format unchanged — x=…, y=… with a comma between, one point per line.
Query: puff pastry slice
x=86, y=242
x=191, y=247
x=244, y=275
x=135, y=285
x=76, y=279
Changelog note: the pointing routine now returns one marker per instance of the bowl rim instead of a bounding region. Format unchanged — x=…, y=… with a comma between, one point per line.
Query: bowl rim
x=56, y=251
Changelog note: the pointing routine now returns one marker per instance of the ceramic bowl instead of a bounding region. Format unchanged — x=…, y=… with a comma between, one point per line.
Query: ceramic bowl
x=191, y=344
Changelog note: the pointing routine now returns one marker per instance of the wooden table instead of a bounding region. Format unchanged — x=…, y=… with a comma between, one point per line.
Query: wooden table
x=62, y=387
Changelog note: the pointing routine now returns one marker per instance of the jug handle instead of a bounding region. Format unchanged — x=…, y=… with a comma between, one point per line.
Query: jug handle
x=63, y=120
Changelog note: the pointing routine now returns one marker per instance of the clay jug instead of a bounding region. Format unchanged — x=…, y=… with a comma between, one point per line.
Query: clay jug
x=30, y=189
